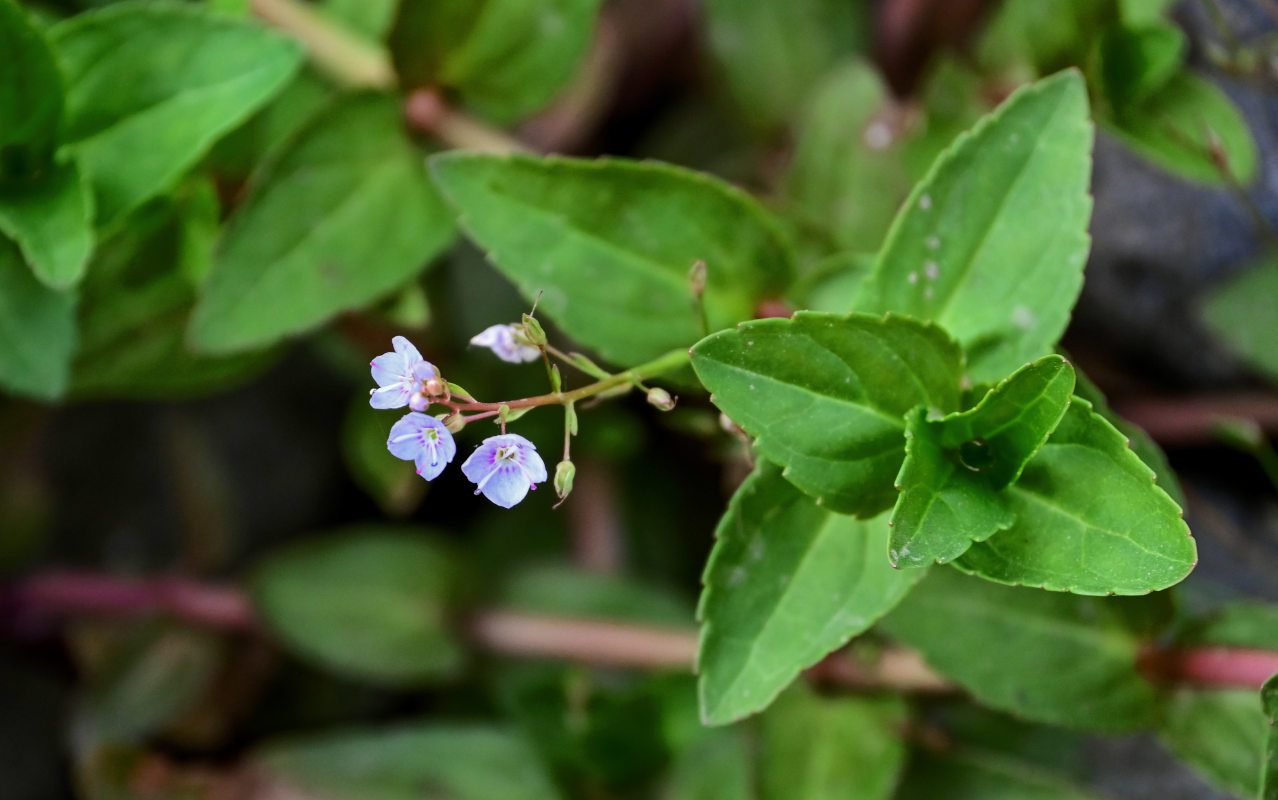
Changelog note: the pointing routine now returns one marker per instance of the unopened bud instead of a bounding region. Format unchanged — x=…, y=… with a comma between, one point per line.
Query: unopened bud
x=418, y=402
x=697, y=277
x=454, y=422
x=533, y=331
x=564, y=473
x=661, y=399
x=436, y=387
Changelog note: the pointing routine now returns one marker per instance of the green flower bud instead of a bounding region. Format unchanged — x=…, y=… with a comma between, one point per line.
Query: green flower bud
x=661, y=399
x=564, y=473
x=533, y=331
x=453, y=422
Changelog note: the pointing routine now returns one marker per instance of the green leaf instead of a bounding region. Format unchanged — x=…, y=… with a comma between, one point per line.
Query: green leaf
x=1184, y=125
x=369, y=603
x=136, y=302
x=1220, y=733
x=818, y=748
x=611, y=242
x=255, y=142
x=847, y=176
x=825, y=395
x=1243, y=313
x=955, y=466
x=37, y=331
x=151, y=87
x=505, y=58
x=786, y=583
x=563, y=591
x=991, y=244
x=1143, y=12
x=944, y=506
x=975, y=775
x=1054, y=658
x=713, y=767
x=770, y=55
x=1269, y=771
x=147, y=681
x=31, y=96
x=51, y=219
x=409, y=762
x=1135, y=62
x=1140, y=442
x=370, y=18
x=1043, y=35
x=344, y=216
x=1089, y=518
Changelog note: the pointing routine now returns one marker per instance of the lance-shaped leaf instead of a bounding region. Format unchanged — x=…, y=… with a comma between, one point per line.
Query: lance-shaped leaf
x=787, y=583
x=151, y=87
x=982, y=775
x=991, y=244
x=345, y=215
x=1053, y=658
x=37, y=331
x=826, y=396
x=610, y=243
x=955, y=467
x=31, y=95
x=1089, y=518
x=51, y=219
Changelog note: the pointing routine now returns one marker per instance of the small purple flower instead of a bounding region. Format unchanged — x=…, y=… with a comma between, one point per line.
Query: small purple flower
x=423, y=439
x=504, y=468
x=507, y=342
x=399, y=374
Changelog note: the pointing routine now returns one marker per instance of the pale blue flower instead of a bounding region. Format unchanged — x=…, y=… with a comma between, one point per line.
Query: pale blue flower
x=507, y=342
x=399, y=375
x=423, y=439
x=504, y=468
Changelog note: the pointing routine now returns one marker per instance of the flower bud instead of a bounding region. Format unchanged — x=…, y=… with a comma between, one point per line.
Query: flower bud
x=435, y=387
x=697, y=277
x=454, y=422
x=661, y=399
x=418, y=402
x=564, y=473
x=533, y=331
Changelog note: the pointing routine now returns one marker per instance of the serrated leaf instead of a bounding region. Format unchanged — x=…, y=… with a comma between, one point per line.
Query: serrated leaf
x=152, y=85
x=409, y=762
x=31, y=96
x=955, y=466
x=1140, y=442
x=50, y=217
x=943, y=507
x=37, y=331
x=345, y=215
x=826, y=396
x=977, y=775
x=505, y=58
x=1089, y=518
x=786, y=583
x=991, y=244
x=1243, y=312
x=367, y=603
x=820, y=748
x=1054, y=658
x=610, y=243
x=1181, y=126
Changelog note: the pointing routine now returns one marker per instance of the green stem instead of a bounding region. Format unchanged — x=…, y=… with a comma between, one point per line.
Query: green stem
x=347, y=58
x=653, y=368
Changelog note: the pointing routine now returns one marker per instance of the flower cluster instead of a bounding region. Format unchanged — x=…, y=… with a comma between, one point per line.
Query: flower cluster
x=504, y=468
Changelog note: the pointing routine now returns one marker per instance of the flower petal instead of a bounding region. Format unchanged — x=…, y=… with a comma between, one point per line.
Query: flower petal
x=388, y=368
x=507, y=486
x=393, y=396
x=406, y=349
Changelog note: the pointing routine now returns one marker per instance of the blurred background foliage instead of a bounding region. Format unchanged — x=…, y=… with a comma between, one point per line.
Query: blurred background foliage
x=156, y=427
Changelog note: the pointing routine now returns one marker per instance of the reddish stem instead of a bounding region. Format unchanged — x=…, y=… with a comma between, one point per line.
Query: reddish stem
x=1219, y=667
